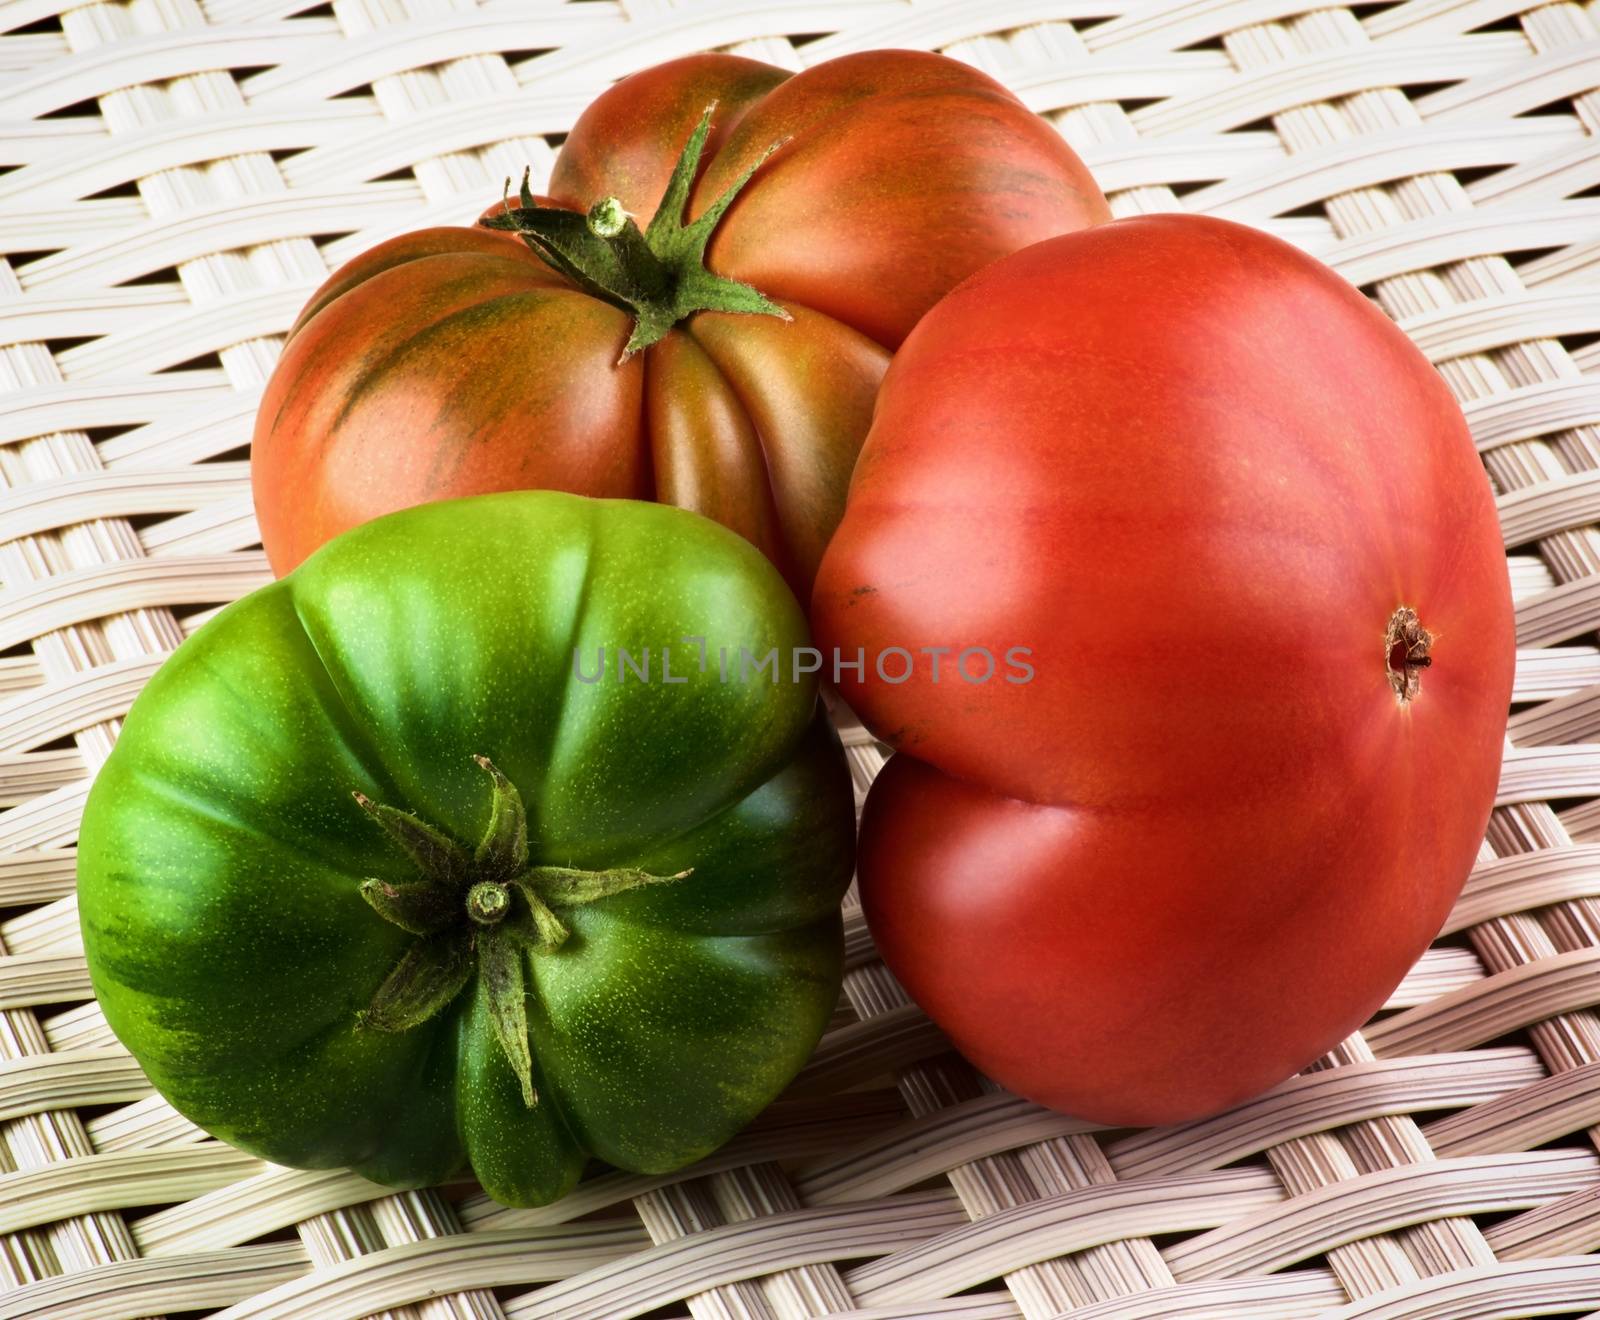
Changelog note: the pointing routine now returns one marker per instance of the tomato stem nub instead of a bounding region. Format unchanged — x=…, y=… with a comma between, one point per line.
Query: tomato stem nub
x=1406, y=652
x=607, y=219
x=488, y=903
x=659, y=275
x=481, y=911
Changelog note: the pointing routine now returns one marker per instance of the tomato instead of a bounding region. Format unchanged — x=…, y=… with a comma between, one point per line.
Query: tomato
x=586, y=355
x=1231, y=524
x=381, y=874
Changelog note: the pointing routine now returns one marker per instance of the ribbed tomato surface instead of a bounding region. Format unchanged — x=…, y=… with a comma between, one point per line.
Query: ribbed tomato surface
x=1239, y=521
x=455, y=361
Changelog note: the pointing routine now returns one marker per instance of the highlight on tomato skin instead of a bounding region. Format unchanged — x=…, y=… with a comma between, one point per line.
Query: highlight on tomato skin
x=1240, y=522
x=699, y=312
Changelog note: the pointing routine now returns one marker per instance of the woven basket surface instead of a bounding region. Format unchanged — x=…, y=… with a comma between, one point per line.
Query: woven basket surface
x=174, y=179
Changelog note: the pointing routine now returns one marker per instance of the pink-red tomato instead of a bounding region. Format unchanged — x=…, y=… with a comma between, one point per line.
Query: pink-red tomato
x=456, y=361
x=1239, y=522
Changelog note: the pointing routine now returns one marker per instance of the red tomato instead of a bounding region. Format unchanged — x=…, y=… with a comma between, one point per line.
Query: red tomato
x=1206, y=482
x=457, y=361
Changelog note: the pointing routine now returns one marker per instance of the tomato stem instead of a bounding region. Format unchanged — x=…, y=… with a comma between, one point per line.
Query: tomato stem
x=659, y=275
x=640, y=266
x=481, y=911
x=488, y=903
x=1407, y=647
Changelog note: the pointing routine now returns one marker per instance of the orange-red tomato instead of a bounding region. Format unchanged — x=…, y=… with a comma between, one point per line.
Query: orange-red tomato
x=1209, y=485
x=456, y=361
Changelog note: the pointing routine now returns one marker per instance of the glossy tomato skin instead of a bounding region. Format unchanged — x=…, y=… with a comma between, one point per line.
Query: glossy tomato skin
x=222, y=851
x=452, y=362
x=1197, y=474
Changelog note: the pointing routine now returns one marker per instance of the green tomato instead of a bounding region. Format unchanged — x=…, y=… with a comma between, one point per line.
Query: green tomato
x=378, y=877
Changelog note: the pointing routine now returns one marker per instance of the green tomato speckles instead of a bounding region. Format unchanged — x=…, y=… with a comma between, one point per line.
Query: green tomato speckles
x=671, y=856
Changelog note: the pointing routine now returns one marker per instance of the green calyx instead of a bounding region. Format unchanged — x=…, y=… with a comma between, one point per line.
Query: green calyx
x=658, y=275
x=480, y=910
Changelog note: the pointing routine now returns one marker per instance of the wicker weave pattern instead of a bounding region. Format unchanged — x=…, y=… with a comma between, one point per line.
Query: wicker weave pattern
x=179, y=175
